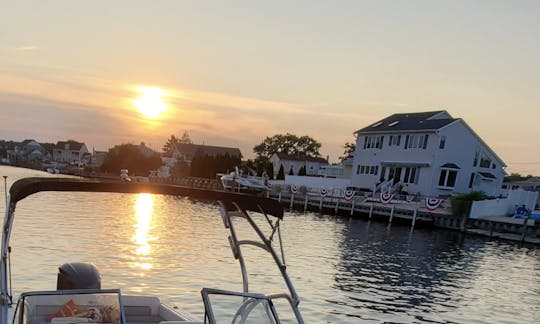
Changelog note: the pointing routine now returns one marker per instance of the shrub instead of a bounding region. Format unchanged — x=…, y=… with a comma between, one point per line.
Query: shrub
x=461, y=203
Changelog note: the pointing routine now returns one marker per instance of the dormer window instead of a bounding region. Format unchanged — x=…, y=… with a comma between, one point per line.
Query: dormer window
x=377, y=124
x=393, y=123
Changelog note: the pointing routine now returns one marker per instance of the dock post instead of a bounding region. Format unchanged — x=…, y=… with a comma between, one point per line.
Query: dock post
x=352, y=206
x=525, y=221
x=279, y=197
x=337, y=205
x=391, y=214
x=305, y=204
x=320, y=204
x=370, y=210
x=292, y=201
x=414, y=218
x=490, y=228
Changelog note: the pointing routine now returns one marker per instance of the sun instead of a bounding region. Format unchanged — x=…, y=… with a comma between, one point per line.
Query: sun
x=150, y=102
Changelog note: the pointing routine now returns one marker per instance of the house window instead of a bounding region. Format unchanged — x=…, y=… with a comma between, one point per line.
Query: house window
x=471, y=181
x=416, y=141
x=442, y=142
x=447, y=178
x=476, y=157
x=485, y=161
x=358, y=169
x=373, y=142
x=394, y=140
x=410, y=175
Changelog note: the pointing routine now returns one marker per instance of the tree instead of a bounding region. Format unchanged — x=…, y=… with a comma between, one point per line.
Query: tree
x=349, y=147
x=281, y=173
x=169, y=146
x=514, y=176
x=129, y=156
x=185, y=139
x=289, y=144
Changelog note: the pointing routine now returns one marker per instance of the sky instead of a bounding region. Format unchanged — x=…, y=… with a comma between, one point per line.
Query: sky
x=234, y=72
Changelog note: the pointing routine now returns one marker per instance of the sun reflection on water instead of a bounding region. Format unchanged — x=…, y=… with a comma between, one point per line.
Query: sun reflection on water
x=144, y=208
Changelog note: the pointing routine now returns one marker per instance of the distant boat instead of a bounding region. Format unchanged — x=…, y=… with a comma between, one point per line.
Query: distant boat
x=238, y=181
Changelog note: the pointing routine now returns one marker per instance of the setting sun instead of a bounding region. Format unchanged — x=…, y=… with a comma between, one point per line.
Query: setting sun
x=150, y=103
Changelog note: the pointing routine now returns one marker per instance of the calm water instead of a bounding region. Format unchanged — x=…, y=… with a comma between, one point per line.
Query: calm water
x=345, y=270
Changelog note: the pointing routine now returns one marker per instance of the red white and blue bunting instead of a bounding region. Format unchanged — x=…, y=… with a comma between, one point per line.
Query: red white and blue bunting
x=433, y=203
x=386, y=198
x=294, y=188
x=348, y=195
x=269, y=186
x=409, y=198
x=324, y=192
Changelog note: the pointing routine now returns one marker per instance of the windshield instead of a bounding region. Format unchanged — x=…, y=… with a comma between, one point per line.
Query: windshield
x=69, y=307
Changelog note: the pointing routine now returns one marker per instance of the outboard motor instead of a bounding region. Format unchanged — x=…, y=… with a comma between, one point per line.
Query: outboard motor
x=78, y=275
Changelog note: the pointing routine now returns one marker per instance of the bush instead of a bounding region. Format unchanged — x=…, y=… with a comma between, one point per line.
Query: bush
x=461, y=203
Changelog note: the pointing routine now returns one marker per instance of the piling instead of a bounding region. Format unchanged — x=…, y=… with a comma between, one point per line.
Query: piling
x=391, y=214
x=337, y=206
x=370, y=210
x=292, y=201
x=320, y=204
x=414, y=218
x=524, y=233
x=352, y=206
x=305, y=204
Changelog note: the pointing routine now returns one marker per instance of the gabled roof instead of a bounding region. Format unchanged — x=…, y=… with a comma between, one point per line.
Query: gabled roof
x=287, y=157
x=195, y=149
x=422, y=121
x=72, y=145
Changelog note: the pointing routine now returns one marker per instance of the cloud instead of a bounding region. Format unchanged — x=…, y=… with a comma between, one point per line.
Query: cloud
x=27, y=48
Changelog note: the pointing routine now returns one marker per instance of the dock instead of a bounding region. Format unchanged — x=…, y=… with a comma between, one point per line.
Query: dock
x=413, y=212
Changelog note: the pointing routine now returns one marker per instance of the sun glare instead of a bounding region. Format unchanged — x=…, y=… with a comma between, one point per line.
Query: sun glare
x=150, y=103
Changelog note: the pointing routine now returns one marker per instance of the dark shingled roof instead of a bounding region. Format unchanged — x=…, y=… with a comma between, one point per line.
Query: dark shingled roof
x=409, y=122
x=72, y=145
x=195, y=149
x=285, y=156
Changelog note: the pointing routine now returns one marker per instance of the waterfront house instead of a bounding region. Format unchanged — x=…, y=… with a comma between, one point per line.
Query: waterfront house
x=71, y=152
x=427, y=153
x=293, y=163
x=186, y=152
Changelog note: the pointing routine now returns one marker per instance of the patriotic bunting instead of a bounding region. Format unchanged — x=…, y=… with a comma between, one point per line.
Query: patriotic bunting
x=433, y=203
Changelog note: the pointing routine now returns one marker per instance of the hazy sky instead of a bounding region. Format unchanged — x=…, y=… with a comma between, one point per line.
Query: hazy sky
x=235, y=72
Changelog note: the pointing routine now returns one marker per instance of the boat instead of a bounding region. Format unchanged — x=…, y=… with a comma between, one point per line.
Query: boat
x=79, y=297
x=241, y=182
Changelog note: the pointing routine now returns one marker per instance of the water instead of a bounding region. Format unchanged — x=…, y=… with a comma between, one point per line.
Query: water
x=345, y=270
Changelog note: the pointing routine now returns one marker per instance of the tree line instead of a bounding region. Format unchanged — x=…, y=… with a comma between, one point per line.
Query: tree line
x=131, y=157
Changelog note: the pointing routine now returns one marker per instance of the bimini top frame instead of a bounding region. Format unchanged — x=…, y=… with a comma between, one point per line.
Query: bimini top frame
x=25, y=187
x=264, y=243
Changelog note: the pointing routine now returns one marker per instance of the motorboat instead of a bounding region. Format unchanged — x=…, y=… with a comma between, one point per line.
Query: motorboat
x=79, y=297
x=242, y=182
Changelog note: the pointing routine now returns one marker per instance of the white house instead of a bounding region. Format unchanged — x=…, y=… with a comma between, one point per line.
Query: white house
x=293, y=163
x=427, y=153
x=71, y=152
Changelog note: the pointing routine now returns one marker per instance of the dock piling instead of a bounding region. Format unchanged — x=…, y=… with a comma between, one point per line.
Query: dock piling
x=391, y=214
x=292, y=201
x=352, y=207
x=337, y=206
x=305, y=204
x=370, y=210
x=414, y=218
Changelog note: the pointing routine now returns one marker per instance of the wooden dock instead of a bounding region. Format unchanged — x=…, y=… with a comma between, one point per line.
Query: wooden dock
x=413, y=212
